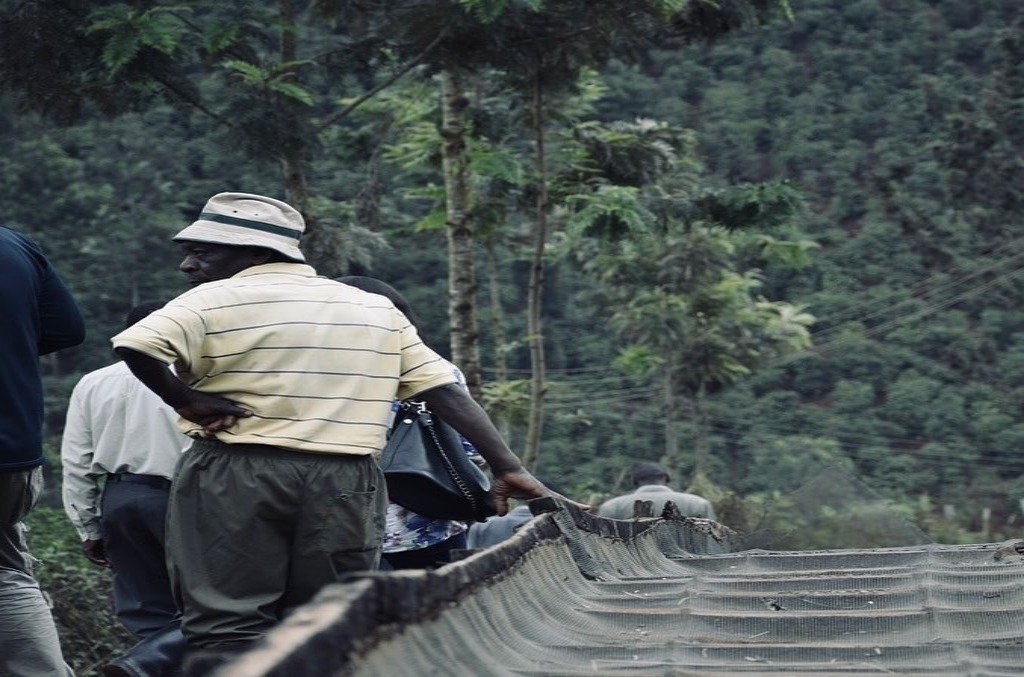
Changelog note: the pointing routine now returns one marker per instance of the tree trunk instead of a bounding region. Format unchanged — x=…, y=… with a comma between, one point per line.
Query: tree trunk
x=293, y=159
x=296, y=189
x=534, y=327
x=498, y=331
x=701, y=443
x=462, y=286
x=671, y=460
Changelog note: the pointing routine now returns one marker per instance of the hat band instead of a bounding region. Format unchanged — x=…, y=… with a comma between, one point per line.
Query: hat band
x=247, y=223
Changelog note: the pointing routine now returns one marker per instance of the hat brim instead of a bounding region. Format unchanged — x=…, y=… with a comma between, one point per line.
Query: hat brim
x=236, y=236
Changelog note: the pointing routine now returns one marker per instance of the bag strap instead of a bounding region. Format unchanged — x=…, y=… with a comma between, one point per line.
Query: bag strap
x=426, y=419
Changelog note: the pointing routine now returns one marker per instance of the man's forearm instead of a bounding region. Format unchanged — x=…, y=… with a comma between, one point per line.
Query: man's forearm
x=460, y=411
x=80, y=492
x=156, y=376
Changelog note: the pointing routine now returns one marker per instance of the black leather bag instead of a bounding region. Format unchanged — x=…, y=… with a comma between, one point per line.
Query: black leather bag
x=428, y=472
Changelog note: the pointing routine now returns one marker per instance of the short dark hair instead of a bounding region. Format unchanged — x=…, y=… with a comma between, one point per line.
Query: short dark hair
x=648, y=471
x=382, y=288
x=142, y=310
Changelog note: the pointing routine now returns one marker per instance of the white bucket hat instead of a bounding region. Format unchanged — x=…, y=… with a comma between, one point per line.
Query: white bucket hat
x=245, y=220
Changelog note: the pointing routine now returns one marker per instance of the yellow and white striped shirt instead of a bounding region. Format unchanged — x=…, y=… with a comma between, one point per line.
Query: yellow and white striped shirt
x=316, y=361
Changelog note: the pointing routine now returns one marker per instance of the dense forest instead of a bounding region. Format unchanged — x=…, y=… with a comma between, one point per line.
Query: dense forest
x=755, y=242
x=770, y=244
x=858, y=162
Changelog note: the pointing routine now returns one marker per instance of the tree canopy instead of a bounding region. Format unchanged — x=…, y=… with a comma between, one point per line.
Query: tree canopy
x=857, y=162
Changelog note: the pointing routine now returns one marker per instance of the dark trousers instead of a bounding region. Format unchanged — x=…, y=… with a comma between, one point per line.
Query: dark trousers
x=254, y=531
x=134, y=511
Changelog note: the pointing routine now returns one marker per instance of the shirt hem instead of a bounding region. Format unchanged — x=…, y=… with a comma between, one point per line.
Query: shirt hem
x=23, y=465
x=436, y=382
x=142, y=347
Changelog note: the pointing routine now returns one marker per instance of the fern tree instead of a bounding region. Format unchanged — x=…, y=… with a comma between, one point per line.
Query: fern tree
x=674, y=263
x=542, y=46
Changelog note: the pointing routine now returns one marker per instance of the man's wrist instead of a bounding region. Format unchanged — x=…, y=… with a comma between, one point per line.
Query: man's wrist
x=505, y=468
x=178, y=396
x=176, y=402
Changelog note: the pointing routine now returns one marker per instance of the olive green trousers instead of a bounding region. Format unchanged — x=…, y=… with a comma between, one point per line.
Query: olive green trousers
x=254, y=531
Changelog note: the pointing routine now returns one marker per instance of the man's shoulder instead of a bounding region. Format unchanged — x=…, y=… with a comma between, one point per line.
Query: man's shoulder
x=111, y=371
x=618, y=504
x=279, y=279
x=621, y=499
x=104, y=377
x=680, y=496
x=690, y=497
x=20, y=255
x=623, y=505
x=15, y=239
x=496, y=529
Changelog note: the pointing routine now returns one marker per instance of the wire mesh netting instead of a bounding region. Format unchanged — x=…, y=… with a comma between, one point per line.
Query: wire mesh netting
x=572, y=594
x=833, y=508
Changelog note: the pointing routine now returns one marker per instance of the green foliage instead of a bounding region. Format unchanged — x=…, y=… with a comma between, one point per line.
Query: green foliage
x=275, y=80
x=420, y=145
x=787, y=463
x=129, y=30
x=610, y=211
x=636, y=153
x=764, y=206
x=80, y=592
x=859, y=163
x=495, y=163
x=785, y=253
x=218, y=37
x=675, y=291
x=487, y=11
x=508, y=400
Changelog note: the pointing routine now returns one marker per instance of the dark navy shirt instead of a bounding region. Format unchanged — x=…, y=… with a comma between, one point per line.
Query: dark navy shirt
x=37, y=316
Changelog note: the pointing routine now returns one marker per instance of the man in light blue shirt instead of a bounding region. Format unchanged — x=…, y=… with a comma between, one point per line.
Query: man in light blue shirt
x=497, y=529
x=651, y=482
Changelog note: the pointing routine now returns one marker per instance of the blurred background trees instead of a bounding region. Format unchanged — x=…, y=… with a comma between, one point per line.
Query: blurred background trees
x=793, y=248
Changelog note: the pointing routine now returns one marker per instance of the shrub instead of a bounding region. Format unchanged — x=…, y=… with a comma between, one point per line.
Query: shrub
x=80, y=592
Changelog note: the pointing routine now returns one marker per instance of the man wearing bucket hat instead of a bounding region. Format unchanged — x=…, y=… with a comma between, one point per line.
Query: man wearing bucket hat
x=285, y=379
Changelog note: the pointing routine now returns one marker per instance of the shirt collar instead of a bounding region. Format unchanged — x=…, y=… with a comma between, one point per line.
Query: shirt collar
x=651, y=488
x=300, y=269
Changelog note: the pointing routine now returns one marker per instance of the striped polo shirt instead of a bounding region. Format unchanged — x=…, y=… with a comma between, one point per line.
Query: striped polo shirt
x=316, y=361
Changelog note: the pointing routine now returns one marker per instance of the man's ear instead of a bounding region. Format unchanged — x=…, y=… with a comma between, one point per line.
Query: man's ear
x=260, y=255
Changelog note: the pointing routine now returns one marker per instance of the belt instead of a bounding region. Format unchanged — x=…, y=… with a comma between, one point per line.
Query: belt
x=154, y=481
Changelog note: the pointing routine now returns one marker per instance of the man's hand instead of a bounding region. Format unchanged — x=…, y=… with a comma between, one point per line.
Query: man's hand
x=522, y=485
x=95, y=552
x=211, y=412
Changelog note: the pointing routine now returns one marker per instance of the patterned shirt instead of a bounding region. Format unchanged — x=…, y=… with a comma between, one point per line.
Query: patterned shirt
x=406, y=530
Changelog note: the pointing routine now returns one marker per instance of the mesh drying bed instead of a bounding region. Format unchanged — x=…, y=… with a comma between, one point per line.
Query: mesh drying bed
x=573, y=594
